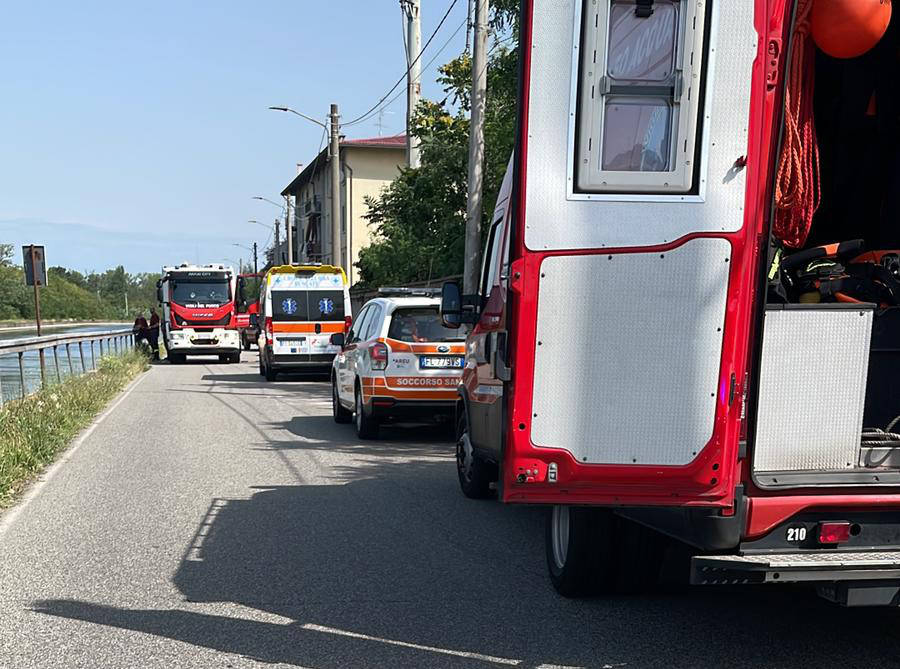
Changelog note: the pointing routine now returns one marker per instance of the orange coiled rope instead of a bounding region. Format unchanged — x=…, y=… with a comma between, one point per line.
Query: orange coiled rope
x=798, y=189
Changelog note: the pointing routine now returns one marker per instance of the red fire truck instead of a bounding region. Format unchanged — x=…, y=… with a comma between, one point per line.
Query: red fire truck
x=677, y=340
x=198, y=303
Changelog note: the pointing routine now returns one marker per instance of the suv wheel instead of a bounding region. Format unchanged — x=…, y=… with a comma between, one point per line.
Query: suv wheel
x=340, y=414
x=366, y=426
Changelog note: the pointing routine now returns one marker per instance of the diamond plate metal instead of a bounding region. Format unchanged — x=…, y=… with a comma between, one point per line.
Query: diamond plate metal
x=812, y=389
x=627, y=367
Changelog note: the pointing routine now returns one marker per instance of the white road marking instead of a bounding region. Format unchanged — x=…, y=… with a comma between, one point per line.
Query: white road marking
x=7, y=520
x=404, y=644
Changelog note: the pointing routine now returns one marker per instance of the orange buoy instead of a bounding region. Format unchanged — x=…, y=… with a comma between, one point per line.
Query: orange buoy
x=849, y=28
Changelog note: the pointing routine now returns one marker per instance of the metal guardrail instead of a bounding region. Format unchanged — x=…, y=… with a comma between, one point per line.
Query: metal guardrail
x=117, y=341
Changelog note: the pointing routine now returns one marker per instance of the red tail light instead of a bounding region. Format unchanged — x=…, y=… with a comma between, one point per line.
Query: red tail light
x=269, y=335
x=378, y=354
x=834, y=533
x=348, y=321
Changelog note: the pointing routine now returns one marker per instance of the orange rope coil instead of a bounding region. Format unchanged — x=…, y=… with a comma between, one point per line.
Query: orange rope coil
x=798, y=189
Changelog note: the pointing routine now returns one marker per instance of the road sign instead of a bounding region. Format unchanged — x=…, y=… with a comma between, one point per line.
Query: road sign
x=35, y=265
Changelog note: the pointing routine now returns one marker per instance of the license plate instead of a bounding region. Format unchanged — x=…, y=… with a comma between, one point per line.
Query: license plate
x=444, y=362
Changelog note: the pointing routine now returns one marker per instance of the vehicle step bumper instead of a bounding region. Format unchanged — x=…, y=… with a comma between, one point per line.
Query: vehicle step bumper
x=809, y=566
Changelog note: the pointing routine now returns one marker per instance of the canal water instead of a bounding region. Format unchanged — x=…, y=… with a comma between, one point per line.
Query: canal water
x=10, y=385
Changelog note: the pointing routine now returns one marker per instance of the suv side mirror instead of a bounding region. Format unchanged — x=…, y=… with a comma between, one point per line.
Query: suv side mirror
x=337, y=339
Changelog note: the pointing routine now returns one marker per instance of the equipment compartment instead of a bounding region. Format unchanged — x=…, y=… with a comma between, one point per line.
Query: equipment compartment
x=812, y=387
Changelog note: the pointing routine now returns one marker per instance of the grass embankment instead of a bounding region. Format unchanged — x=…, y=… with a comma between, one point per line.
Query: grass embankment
x=34, y=430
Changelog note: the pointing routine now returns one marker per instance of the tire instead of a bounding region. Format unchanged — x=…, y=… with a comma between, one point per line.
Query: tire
x=270, y=374
x=639, y=557
x=475, y=475
x=225, y=357
x=340, y=414
x=262, y=370
x=580, y=546
x=366, y=426
x=246, y=343
x=176, y=358
x=235, y=357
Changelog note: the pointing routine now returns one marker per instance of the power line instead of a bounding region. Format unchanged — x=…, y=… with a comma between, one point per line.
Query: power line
x=424, y=67
x=405, y=74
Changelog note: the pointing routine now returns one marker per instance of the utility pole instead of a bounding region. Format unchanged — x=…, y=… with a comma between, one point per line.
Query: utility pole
x=255, y=262
x=288, y=225
x=414, y=86
x=278, y=259
x=335, y=188
x=476, y=149
x=469, y=26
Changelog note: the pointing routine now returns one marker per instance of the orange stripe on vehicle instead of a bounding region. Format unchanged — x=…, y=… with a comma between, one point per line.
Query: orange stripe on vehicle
x=405, y=347
x=423, y=382
x=308, y=327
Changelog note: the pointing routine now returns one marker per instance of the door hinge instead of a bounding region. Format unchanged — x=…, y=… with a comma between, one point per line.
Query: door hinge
x=773, y=63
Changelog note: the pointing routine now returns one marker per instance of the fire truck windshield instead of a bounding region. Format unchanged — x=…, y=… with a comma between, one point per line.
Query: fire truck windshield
x=200, y=293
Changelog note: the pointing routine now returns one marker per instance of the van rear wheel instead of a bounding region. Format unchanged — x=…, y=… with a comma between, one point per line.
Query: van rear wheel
x=580, y=550
x=475, y=475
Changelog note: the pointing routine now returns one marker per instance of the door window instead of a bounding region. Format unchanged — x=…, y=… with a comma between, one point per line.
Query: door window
x=358, y=324
x=372, y=322
x=640, y=95
x=491, y=256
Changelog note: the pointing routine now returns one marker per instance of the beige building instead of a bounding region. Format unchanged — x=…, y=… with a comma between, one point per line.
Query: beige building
x=367, y=166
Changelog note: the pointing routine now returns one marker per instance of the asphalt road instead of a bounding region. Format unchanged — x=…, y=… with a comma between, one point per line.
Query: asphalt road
x=216, y=520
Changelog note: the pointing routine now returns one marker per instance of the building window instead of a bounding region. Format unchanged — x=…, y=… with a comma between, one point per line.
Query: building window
x=641, y=66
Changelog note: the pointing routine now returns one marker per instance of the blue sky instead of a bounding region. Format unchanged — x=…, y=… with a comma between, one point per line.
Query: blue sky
x=136, y=133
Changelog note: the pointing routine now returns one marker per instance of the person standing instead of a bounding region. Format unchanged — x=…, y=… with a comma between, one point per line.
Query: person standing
x=140, y=328
x=153, y=333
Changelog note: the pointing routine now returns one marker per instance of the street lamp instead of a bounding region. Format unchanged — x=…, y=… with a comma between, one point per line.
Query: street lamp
x=253, y=251
x=335, y=167
x=294, y=111
x=288, y=228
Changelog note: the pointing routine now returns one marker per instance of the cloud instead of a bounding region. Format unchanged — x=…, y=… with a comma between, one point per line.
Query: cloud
x=86, y=247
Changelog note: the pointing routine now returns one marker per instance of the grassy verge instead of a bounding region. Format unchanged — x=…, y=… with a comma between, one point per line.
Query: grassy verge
x=34, y=430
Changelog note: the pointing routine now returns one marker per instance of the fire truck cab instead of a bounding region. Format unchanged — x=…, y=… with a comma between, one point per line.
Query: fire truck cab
x=198, y=303
x=639, y=359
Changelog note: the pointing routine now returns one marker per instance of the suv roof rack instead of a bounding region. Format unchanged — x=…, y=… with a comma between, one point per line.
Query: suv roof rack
x=389, y=291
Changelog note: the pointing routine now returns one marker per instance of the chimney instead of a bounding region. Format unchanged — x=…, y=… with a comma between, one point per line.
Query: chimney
x=299, y=167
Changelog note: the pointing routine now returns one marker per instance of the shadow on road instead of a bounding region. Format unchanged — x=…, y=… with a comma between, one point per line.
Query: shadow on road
x=395, y=568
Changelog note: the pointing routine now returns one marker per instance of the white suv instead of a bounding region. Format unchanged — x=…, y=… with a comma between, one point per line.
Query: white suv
x=397, y=360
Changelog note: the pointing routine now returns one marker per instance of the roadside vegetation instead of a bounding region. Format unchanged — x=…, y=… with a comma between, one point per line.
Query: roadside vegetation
x=73, y=295
x=35, y=430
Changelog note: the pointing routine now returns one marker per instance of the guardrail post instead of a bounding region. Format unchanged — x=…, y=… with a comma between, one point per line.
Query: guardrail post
x=56, y=364
x=116, y=344
x=69, y=356
x=93, y=356
x=1, y=390
x=22, y=373
x=81, y=353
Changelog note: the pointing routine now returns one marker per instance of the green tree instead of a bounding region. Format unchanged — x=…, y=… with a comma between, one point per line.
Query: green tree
x=419, y=219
